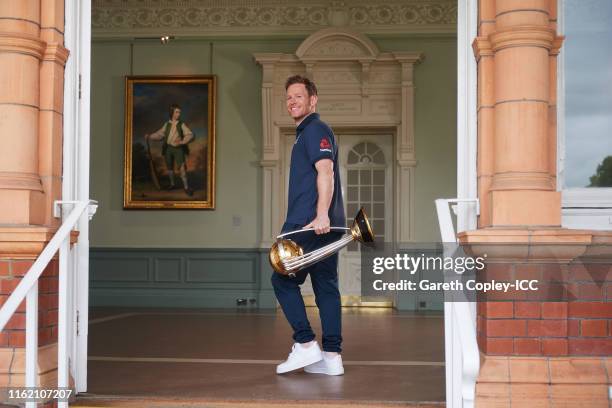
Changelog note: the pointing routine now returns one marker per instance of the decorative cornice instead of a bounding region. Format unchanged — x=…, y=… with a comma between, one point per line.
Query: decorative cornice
x=20, y=181
x=522, y=181
x=482, y=47
x=337, y=44
x=523, y=36
x=269, y=163
x=525, y=235
x=206, y=18
x=557, y=44
x=407, y=163
x=412, y=58
x=26, y=242
x=22, y=44
x=56, y=52
x=526, y=244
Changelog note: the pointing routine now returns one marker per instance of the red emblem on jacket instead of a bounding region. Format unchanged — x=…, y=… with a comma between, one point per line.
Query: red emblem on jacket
x=325, y=144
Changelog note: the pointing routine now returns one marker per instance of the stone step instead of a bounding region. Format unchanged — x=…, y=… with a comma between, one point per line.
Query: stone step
x=96, y=402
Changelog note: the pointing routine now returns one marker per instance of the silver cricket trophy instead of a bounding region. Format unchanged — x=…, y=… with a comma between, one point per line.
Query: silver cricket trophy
x=287, y=257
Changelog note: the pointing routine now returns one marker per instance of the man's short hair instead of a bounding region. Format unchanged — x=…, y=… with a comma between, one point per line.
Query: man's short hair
x=311, y=88
x=172, y=108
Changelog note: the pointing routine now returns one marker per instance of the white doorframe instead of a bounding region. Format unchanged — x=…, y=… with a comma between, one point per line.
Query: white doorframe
x=76, y=150
x=467, y=182
x=75, y=173
x=467, y=118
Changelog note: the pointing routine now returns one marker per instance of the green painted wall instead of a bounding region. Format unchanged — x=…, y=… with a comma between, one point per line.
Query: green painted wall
x=435, y=130
x=238, y=138
x=218, y=278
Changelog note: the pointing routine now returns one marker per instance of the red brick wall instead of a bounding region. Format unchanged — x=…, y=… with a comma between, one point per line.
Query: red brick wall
x=11, y=272
x=582, y=325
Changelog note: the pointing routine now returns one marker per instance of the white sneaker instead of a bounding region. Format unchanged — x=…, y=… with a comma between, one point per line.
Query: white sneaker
x=329, y=366
x=300, y=357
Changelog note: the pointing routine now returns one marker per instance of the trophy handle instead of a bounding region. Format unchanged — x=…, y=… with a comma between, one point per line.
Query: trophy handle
x=310, y=229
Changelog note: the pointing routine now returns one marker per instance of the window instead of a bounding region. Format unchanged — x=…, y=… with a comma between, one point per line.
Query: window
x=585, y=113
x=366, y=167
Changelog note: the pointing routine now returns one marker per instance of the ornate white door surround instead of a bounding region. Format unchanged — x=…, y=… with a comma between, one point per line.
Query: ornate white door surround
x=359, y=88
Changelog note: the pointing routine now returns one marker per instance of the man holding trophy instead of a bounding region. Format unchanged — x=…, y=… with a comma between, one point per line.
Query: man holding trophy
x=314, y=202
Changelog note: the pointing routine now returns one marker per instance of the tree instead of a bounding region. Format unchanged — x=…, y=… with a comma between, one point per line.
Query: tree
x=603, y=174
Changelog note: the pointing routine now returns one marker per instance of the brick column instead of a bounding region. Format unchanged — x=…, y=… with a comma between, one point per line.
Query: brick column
x=515, y=47
x=550, y=347
x=578, y=326
x=12, y=338
x=534, y=352
x=21, y=50
x=32, y=59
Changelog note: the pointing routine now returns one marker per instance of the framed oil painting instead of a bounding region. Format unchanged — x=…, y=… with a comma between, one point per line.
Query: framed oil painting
x=169, y=142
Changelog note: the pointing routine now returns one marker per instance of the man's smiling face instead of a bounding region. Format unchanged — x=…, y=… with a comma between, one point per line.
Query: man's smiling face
x=299, y=103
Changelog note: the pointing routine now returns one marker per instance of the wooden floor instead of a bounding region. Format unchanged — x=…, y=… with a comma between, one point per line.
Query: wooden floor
x=230, y=356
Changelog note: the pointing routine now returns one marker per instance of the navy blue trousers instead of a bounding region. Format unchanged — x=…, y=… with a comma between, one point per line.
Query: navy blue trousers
x=324, y=278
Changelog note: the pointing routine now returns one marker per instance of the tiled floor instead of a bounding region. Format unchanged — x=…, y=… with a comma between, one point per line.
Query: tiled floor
x=231, y=355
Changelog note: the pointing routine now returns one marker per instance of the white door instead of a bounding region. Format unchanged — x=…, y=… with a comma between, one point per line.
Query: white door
x=75, y=178
x=367, y=176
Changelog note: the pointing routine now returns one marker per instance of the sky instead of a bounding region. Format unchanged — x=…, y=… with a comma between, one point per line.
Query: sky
x=587, y=52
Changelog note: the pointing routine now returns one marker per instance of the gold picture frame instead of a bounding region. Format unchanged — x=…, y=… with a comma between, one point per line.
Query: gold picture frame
x=170, y=142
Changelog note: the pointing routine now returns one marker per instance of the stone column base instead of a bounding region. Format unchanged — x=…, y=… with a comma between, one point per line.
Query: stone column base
x=25, y=207
x=525, y=207
x=12, y=368
x=543, y=382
